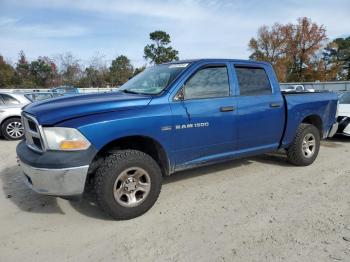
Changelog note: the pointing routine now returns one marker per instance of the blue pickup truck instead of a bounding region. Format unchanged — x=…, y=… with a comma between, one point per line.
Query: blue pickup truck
x=170, y=117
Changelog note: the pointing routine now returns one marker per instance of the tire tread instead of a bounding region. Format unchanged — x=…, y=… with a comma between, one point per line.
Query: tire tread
x=294, y=152
x=108, y=165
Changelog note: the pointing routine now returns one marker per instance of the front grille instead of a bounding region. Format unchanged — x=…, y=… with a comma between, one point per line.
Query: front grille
x=32, y=125
x=37, y=143
x=32, y=133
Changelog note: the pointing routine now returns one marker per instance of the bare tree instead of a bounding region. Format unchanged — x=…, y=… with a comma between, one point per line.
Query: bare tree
x=96, y=73
x=270, y=44
x=69, y=68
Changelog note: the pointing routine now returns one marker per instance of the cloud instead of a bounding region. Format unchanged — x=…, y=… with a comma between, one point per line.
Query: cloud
x=6, y=21
x=198, y=28
x=11, y=27
x=178, y=10
x=44, y=31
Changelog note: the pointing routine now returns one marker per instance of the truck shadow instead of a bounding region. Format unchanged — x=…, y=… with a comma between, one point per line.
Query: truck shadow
x=88, y=206
x=339, y=138
x=29, y=201
x=23, y=197
x=277, y=158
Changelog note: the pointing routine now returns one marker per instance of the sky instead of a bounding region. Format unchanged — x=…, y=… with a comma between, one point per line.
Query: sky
x=198, y=28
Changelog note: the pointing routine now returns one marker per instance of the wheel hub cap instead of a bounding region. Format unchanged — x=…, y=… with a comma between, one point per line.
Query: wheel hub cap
x=14, y=129
x=130, y=184
x=309, y=145
x=132, y=187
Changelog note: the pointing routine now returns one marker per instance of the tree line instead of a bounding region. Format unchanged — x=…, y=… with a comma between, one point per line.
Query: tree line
x=65, y=69
x=298, y=52
x=302, y=52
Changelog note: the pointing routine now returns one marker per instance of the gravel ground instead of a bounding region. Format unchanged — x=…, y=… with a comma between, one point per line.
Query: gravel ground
x=255, y=209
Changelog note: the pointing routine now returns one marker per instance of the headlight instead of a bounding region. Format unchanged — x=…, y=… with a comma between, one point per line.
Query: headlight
x=63, y=138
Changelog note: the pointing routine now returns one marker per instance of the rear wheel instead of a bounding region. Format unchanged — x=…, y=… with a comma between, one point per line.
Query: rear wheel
x=127, y=184
x=12, y=129
x=305, y=147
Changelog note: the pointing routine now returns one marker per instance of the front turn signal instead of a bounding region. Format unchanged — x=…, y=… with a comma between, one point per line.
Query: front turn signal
x=74, y=145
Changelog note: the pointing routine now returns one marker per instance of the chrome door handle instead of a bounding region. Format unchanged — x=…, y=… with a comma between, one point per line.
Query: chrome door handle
x=227, y=109
x=275, y=105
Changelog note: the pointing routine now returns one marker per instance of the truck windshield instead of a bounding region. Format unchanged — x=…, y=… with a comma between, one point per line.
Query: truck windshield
x=153, y=80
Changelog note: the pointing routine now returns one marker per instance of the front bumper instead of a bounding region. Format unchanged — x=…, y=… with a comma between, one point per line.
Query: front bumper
x=56, y=182
x=55, y=173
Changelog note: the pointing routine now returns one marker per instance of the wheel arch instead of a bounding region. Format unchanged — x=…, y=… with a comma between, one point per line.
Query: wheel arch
x=144, y=144
x=7, y=118
x=315, y=120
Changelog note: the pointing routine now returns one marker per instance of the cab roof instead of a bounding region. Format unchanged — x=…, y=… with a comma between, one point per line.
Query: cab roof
x=218, y=60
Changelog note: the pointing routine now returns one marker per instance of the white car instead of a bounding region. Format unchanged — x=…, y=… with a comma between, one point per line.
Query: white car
x=296, y=88
x=344, y=114
x=10, y=114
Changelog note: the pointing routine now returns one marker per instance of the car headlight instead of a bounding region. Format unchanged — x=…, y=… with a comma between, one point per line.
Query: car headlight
x=63, y=138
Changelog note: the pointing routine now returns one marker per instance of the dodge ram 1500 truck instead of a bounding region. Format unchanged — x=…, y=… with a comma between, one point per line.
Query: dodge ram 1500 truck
x=168, y=118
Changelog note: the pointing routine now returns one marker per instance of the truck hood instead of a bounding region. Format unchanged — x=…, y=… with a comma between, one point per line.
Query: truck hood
x=52, y=111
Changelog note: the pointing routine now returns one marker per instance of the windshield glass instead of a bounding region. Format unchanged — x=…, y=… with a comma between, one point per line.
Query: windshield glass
x=345, y=98
x=153, y=80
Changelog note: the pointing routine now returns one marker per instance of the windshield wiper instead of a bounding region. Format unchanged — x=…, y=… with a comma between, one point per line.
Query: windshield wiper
x=129, y=92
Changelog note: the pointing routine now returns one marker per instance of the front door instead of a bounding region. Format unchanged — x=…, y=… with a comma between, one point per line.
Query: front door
x=204, y=117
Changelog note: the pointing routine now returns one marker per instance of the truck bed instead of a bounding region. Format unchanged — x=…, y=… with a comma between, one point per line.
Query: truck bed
x=299, y=105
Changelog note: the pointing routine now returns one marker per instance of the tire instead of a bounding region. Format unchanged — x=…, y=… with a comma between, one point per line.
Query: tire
x=301, y=152
x=116, y=191
x=12, y=129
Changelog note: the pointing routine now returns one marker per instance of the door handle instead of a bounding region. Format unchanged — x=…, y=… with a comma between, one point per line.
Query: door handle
x=227, y=109
x=275, y=105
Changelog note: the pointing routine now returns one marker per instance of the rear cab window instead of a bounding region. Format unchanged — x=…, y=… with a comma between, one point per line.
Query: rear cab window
x=253, y=81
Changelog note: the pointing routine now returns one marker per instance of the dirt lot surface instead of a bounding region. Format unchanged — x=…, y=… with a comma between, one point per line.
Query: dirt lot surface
x=256, y=209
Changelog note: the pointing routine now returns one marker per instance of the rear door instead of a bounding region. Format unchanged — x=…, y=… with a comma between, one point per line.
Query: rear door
x=204, y=116
x=260, y=108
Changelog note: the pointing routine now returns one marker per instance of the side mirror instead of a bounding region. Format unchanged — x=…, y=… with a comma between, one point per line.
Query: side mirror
x=180, y=96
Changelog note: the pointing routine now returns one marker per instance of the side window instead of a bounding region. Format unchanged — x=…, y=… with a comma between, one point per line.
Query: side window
x=1, y=102
x=208, y=82
x=253, y=81
x=9, y=100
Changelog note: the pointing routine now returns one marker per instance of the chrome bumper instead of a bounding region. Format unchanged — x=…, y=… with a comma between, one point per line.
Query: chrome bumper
x=56, y=182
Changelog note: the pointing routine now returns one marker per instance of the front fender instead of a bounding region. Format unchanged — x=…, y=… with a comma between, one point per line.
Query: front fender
x=102, y=129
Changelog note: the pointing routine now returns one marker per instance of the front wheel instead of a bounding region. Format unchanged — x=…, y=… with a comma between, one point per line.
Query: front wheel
x=305, y=147
x=127, y=184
